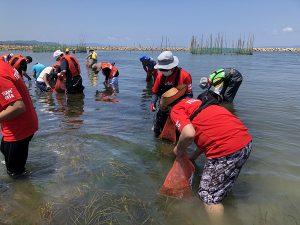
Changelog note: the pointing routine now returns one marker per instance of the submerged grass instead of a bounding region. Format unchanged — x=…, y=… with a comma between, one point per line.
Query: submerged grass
x=88, y=204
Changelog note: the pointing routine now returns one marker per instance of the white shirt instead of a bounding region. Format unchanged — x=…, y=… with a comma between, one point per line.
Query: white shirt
x=45, y=71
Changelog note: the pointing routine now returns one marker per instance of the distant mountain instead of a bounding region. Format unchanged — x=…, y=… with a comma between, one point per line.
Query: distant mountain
x=34, y=42
x=30, y=42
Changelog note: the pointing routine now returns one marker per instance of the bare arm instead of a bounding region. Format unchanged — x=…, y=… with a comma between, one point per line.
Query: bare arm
x=24, y=74
x=12, y=111
x=45, y=78
x=186, y=138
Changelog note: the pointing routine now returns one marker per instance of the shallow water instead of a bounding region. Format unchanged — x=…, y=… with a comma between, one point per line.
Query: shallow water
x=96, y=162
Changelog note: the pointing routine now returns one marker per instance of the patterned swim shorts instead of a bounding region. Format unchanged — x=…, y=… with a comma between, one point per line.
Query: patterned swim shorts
x=220, y=174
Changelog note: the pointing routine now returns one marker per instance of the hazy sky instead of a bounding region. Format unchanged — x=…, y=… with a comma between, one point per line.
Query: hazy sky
x=134, y=22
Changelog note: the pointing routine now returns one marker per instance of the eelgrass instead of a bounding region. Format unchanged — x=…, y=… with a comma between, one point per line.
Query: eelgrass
x=89, y=204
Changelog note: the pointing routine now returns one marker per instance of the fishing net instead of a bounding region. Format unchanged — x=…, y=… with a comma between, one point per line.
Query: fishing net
x=179, y=179
x=169, y=131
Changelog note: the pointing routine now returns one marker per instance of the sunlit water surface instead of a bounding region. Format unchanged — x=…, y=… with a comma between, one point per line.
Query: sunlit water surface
x=97, y=162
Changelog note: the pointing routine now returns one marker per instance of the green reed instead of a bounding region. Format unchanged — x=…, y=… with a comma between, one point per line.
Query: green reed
x=219, y=45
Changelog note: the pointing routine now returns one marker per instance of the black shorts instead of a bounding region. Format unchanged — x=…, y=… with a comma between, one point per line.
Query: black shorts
x=220, y=174
x=15, y=154
x=74, y=85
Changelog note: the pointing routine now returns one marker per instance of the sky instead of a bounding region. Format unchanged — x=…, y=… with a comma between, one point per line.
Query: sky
x=273, y=23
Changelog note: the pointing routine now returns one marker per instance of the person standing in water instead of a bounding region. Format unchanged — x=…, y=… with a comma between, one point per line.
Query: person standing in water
x=69, y=70
x=170, y=75
x=18, y=120
x=92, y=57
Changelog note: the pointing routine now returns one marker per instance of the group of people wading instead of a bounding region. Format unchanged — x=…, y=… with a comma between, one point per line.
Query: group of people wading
x=216, y=132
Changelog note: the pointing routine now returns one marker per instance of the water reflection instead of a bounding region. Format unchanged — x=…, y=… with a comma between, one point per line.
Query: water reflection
x=107, y=95
x=147, y=92
x=22, y=199
x=146, y=95
x=93, y=77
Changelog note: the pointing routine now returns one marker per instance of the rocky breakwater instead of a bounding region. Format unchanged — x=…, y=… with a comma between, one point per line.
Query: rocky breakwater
x=276, y=49
x=119, y=48
x=15, y=47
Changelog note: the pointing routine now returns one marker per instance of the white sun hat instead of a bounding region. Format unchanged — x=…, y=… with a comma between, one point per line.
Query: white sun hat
x=57, y=53
x=166, y=61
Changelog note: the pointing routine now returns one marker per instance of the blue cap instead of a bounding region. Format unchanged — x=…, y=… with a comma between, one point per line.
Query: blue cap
x=144, y=58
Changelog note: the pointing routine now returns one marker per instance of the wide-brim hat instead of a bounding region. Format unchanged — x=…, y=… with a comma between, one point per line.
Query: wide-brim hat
x=172, y=95
x=166, y=61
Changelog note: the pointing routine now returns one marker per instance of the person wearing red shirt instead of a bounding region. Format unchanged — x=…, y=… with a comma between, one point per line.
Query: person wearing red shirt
x=224, y=140
x=170, y=75
x=18, y=120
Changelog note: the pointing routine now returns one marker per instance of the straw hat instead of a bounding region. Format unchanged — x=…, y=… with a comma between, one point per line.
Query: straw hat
x=172, y=95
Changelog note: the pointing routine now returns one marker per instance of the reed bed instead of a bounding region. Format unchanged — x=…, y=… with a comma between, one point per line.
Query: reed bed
x=219, y=45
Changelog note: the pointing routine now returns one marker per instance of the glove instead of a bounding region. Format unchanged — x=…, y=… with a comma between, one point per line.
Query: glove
x=152, y=107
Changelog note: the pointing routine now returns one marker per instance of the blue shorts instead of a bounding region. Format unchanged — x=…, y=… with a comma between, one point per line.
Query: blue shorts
x=220, y=174
x=114, y=84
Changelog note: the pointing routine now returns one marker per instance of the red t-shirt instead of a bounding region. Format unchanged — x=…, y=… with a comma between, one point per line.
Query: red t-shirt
x=218, y=132
x=184, y=78
x=12, y=88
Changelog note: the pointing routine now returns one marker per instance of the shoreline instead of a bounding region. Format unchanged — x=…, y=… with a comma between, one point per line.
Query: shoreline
x=124, y=48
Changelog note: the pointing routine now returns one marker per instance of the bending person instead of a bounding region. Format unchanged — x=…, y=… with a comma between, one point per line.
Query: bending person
x=224, y=140
x=43, y=81
x=148, y=65
x=111, y=74
x=20, y=64
x=37, y=69
x=226, y=83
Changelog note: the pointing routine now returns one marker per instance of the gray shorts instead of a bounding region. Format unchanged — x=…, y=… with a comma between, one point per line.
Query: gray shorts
x=220, y=174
